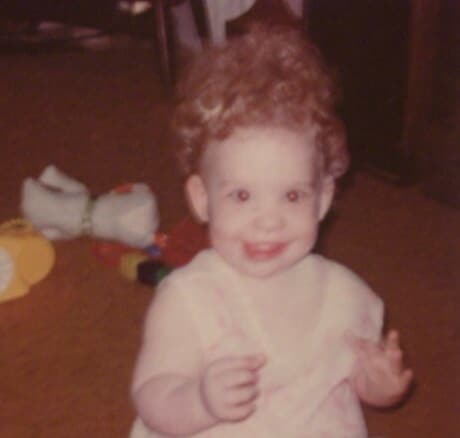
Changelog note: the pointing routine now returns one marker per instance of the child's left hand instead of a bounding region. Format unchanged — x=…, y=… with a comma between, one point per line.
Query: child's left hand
x=380, y=377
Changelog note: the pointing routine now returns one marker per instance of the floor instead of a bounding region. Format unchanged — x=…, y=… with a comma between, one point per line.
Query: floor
x=69, y=346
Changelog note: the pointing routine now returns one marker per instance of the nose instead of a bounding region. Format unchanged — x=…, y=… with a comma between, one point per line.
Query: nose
x=269, y=219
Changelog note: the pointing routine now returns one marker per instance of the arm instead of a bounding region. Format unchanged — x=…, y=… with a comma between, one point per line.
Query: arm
x=173, y=392
x=171, y=404
x=380, y=378
x=180, y=405
x=168, y=364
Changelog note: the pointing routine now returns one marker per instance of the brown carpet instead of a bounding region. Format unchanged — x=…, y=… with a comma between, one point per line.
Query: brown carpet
x=67, y=349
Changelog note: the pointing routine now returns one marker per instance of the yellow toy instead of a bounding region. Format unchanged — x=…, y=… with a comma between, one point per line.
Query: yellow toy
x=26, y=258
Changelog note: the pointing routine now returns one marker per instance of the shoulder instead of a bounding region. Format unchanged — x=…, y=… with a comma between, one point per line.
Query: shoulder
x=188, y=283
x=182, y=279
x=346, y=282
x=351, y=296
x=204, y=265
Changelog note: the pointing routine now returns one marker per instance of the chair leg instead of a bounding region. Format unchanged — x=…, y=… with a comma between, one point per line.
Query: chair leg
x=163, y=41
x=199, y=14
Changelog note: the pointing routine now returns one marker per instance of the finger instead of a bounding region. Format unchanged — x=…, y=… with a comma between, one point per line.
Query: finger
x=370, y=364
x=237, y=362
x=241, y=412
x=395, y=360
x=376, y=362
x=239, y=377
x=243, y=395
x=366, y=350
x=392, y=340
x=253, y=361
x=256, y=361
x=406, y=377
x=393, y=351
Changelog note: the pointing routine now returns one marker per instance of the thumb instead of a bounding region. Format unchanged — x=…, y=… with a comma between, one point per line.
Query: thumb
x=256, y=361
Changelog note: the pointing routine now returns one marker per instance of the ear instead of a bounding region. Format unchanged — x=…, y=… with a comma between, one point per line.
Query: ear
x=327, y=191
x=197, y=197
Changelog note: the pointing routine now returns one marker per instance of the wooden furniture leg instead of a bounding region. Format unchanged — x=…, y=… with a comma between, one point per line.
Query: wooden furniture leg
x=163, y=34
x=165, y=38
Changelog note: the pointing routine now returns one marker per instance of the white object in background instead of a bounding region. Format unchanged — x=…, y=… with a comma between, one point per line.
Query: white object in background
x=185, y=26
x=61, y=207
x=219, y=12
x=296, y=7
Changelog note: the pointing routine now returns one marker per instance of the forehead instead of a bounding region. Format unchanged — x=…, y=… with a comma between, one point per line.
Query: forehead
x=262, y=153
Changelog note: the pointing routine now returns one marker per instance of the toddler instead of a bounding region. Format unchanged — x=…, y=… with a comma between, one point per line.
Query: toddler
x=258, y=336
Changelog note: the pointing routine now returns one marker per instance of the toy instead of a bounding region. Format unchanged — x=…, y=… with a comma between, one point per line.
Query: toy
x=185, y=239
x=62, y=208
x=145, y=266
x=140, y=267
x=26, y=258
x=153, y=263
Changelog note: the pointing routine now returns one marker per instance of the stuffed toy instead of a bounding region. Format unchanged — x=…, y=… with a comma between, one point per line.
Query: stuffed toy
x=26, y=258
x=62, y=208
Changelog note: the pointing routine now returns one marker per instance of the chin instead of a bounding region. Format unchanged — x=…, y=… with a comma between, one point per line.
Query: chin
x=262, y=269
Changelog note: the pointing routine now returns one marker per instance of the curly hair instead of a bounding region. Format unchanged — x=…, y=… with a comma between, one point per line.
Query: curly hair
x=269, y=76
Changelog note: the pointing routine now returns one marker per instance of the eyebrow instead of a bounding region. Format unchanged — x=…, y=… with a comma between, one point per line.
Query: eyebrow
x=225, y=183
x=306, y=185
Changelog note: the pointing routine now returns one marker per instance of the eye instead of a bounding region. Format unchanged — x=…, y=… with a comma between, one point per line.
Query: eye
x=240, y=195
x=294, y=195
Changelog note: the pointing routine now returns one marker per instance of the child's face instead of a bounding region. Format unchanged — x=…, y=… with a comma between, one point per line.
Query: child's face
x=262, y=197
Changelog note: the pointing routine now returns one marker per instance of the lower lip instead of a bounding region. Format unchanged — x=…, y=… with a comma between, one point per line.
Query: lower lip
x=265, y=252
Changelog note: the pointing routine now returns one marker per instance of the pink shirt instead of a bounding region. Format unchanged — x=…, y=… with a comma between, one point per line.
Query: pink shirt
x=304, y=391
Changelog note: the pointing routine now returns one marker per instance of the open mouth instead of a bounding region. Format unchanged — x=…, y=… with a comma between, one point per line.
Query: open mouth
x=263, y=251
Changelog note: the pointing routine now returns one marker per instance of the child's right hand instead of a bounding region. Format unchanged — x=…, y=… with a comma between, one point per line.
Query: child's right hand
x=229, y=387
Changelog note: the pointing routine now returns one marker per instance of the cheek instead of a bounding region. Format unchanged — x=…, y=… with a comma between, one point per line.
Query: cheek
x=305, y=232
x=304, y=220
x=227, y=219
x=223, y=226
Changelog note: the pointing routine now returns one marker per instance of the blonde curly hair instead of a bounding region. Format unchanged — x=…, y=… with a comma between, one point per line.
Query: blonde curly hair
x=269, y=76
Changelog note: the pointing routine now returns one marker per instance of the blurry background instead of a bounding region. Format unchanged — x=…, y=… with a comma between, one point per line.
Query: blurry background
x=398, y=62
x=99, y=111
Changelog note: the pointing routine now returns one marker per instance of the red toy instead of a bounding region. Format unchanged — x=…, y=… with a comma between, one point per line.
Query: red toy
x=169, y=251
x=185, y=240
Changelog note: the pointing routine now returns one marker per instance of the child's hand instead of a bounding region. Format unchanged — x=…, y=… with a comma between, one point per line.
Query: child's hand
x=229, y=387
x=380, y=378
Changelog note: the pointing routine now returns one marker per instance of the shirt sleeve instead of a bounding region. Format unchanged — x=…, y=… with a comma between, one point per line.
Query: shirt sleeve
x=362, y=309
x=369, y=317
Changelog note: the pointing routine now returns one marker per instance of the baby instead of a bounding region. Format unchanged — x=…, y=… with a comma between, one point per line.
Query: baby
x=257, y=336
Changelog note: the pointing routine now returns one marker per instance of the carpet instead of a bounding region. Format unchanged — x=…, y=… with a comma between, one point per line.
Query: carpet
x=68, y=347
